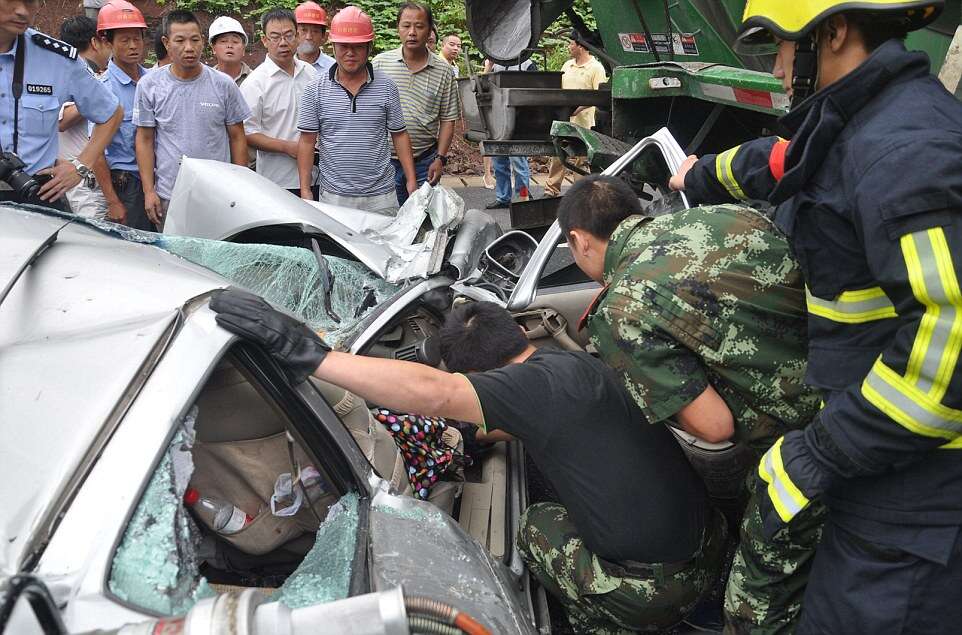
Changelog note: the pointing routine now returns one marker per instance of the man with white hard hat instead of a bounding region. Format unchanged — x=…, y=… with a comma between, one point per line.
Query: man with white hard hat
x=228, y=40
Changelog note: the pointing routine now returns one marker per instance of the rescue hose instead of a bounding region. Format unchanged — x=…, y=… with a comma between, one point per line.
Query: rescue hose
x=427, y=626
x=444, y=613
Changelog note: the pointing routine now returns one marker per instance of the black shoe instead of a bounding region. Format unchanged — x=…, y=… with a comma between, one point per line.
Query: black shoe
x=496, y=204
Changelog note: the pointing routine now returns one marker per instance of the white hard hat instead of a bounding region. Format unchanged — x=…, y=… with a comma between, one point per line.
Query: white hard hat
x=223, y=25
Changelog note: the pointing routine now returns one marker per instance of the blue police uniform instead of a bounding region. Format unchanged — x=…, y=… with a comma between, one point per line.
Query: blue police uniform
x=53, y=75
x=869, y=191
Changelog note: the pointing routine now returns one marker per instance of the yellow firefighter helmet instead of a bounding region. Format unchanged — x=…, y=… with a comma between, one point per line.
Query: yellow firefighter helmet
x=794, y=19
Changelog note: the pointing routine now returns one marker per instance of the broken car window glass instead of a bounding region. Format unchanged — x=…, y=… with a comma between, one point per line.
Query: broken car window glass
x=156, y=566
x=325, y=573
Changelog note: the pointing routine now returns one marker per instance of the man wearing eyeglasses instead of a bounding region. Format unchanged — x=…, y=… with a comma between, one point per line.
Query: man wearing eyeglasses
x=273, y=92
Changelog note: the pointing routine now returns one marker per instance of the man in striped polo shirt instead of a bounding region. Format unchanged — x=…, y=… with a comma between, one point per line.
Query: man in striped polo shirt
x=353, y=108
x=428, y=94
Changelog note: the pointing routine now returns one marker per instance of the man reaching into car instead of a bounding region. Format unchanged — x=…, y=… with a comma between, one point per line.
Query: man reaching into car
x=620, y=553
x=703, y=318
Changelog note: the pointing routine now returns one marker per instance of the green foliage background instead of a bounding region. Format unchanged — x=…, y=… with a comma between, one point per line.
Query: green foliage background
x=448, y=14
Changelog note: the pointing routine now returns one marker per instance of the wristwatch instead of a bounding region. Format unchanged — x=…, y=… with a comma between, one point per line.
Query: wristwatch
x=443, y=158
x=85, y=173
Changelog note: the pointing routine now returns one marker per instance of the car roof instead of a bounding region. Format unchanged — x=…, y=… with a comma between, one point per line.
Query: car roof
x=75, y=330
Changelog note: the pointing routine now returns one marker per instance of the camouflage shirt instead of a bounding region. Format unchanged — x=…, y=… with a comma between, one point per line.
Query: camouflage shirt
x=707, y=296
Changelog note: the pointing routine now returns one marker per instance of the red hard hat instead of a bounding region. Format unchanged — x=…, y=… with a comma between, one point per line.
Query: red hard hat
x=310, y=13
x=351, y=26
x=120, y=14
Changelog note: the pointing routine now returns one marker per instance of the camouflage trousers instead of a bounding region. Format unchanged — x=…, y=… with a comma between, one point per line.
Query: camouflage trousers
x=768, y=577
x=600, y=597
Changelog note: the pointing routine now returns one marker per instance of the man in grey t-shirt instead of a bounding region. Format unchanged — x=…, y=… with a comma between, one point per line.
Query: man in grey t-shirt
x=184, y=109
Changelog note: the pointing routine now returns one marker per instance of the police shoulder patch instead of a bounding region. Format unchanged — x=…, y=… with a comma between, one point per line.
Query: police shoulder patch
x=54, y=45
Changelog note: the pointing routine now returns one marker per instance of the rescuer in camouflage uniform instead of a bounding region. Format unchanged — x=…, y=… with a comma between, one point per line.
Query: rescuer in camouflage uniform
x=596, y=594
x=703, y=316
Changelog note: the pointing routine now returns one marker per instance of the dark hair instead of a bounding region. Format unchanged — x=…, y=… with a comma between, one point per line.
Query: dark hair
x=878, y=28
x=160, y=51
x=480, y=336
x=597, y=204
x=417, y=6
x=77, y=31
x=277, y=14
x=179, y=16
x=437, y=38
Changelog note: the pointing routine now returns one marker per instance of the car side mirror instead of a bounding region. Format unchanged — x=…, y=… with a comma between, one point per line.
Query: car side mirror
x=509, y=254
x=503, y=261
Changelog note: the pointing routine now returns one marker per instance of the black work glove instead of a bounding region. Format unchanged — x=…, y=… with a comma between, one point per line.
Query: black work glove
x=291, y=342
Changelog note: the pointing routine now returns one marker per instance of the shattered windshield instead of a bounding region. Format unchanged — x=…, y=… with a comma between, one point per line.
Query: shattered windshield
x=331, y=294
x=333, y=297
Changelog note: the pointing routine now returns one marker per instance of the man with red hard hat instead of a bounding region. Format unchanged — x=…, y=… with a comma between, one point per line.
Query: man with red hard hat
x=123, y=25
x=353, y=108
x=312, y=33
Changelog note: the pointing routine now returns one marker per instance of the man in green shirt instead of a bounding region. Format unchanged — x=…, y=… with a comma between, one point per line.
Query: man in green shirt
x=703, y=318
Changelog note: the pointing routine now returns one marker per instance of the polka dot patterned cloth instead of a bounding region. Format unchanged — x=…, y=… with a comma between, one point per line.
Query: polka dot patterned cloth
x=419, y=438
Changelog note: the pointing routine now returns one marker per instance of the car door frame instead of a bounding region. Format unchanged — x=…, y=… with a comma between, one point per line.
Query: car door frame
x=77, y=562
x=526, y=290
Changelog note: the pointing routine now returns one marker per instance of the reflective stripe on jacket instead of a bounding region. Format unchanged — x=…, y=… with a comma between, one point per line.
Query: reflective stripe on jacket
x=870, y=191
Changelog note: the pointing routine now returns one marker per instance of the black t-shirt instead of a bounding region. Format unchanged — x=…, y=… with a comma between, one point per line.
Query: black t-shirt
x=627, y=485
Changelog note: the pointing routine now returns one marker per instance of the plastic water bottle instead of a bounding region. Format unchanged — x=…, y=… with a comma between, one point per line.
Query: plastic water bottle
x=222, y=516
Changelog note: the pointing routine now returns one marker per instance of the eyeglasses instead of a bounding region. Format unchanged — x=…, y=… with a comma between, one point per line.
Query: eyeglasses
x=287, y=37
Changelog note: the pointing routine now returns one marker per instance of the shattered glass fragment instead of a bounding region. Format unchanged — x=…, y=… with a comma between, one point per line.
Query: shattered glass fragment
x=325, y=573
x=426, y=515
x=290, y=277
x=156, y=566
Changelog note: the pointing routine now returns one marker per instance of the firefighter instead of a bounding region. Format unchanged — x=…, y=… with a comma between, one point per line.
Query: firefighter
x=868, y=189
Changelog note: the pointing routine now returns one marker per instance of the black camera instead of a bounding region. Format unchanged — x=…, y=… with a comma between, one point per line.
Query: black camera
x=24, y=186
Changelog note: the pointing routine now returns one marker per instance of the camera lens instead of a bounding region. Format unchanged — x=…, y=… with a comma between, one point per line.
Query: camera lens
x=24, y=185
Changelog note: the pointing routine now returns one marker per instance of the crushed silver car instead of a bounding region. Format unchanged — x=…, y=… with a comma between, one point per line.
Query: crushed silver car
x=119, y=393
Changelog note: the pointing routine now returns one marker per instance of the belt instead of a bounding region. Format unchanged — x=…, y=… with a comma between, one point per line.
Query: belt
x=633, y=569
x=426, y=153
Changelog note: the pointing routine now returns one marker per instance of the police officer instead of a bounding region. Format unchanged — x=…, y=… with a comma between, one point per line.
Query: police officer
x=37, y=75
x=869, y=191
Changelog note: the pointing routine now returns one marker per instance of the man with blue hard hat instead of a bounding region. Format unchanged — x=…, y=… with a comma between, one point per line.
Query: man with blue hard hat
x=38, y=74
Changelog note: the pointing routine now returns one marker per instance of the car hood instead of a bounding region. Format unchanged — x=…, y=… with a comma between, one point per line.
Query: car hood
x=221, y=201
x=75, y=330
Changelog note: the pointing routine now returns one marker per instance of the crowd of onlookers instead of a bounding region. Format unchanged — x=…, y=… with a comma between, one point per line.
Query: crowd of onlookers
x=352, y=129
